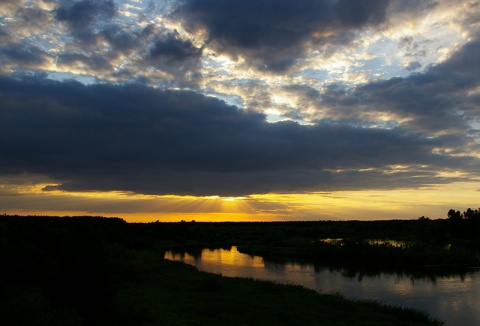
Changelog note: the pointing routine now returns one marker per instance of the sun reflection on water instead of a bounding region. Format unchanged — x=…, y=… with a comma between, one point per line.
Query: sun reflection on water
x=220, y=261
x=450, y=297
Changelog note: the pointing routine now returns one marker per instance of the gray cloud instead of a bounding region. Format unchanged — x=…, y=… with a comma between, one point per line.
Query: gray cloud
x=23, y=55
x=273, y=34
x=82, y=16
x=411, y=47
x=413, y=65
x=470, y=19
x=4, y=35
x=436, y=101
x=170, y=48
x=10, y=6
x=135, y=138
x=92, y=25
x=168, y=52
x=33, y=19
x=121, y=40
x=94, y=62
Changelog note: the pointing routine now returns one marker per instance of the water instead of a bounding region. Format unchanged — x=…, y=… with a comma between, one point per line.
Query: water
x=453, y=298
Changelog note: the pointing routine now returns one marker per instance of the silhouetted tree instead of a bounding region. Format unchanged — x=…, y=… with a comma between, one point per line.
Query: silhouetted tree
x=454, y=215
x=471, y=214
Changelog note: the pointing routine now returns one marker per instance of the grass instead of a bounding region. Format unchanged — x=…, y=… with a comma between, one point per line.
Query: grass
x=92, y=271
x=177, y=294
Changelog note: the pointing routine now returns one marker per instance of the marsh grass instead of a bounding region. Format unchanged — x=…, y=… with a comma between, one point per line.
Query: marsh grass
x=179, y=294
x=93, y=271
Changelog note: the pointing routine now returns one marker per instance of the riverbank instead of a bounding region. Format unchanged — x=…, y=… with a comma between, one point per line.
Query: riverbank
x=178, y=294
x=451, y=297
x=161, y=292
x=414, y=257
x=95, y=271
x=415, y=245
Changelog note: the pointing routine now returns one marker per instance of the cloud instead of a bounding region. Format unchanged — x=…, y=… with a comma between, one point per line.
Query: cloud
x=105, y=45
x=411, y=47
x=95, y=63
x=8, y=7
x=170, y=48
x=121, y=40
x=398, y=132
x=145, y=140
x=440, y=100
x=469, y=19
x=273, y=34
x=4, y=36
x=24, y=56
x=413, y=65
x=31, y=21
x=168, y=52
x=82, y=16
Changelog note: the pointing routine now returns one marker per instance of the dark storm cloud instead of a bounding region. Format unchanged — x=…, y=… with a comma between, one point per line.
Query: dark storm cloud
x=158, y=47
x=32, y=18
x=82, y=16
x=91, y=24
x=359, y=13
x=127, y=41
x=93, y=62
x=167, y=51
x=438, y=100
x=120, y=40
x=135, y=138
x=85, y=13
x=170, y=48
x=274, y=33
x=24, y=55
x=4, y=35
x=205, y=183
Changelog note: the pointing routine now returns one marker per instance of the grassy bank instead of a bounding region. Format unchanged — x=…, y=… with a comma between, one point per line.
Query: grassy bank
x=171, y=293
x=95, y=271
x=414, y=256
x=178, y=294
x=422, y=244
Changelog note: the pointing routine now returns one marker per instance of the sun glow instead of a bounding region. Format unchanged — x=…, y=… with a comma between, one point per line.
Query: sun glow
x=31, y=198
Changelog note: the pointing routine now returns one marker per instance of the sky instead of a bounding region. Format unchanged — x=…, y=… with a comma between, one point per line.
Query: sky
x=253, y=110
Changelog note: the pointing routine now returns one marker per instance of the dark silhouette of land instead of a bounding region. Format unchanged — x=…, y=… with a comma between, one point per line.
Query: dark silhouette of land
x=104, y=271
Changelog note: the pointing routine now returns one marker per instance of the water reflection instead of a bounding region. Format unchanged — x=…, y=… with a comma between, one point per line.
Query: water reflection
x=388, y=242
x=451, y=297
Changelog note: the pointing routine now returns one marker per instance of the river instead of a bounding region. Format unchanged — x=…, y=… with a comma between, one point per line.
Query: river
x=452, y=298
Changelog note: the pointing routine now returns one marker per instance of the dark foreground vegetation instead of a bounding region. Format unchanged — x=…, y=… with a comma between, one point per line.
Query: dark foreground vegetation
x=436, y=246
x=99, y=271
x=443, y=244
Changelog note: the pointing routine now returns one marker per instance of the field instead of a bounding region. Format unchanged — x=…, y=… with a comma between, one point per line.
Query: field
x=99, y=271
